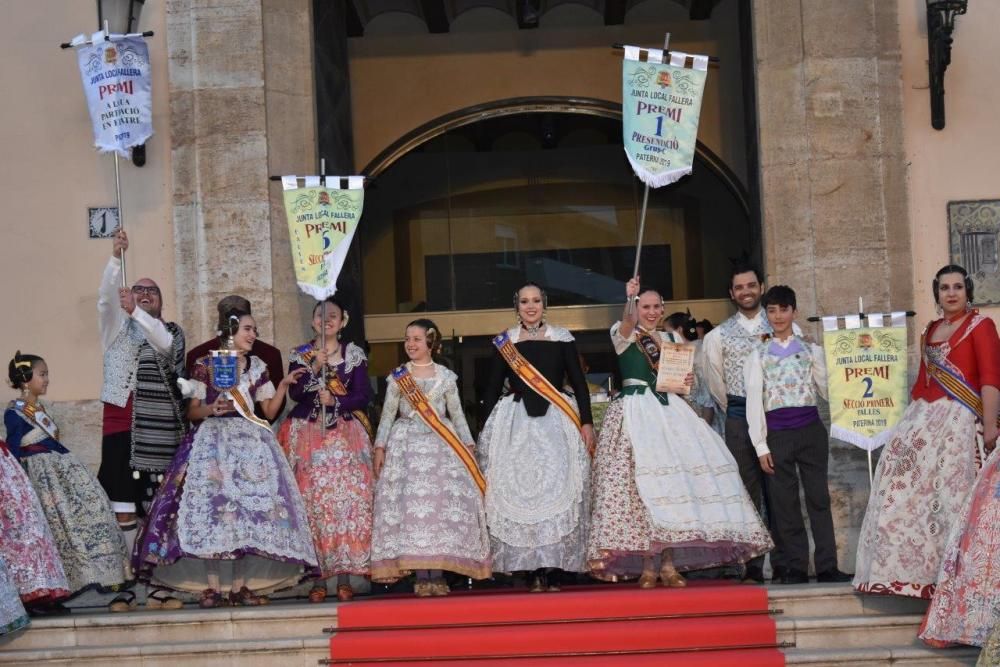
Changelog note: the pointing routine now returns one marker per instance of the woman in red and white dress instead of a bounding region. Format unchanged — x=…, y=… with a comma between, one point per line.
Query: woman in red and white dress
x=931, y=463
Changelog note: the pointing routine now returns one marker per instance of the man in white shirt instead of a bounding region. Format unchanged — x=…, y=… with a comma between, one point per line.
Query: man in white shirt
x=726, y=348
x=143, y=410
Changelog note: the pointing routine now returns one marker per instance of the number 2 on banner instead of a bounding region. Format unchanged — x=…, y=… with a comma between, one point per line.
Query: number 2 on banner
x=868, y=388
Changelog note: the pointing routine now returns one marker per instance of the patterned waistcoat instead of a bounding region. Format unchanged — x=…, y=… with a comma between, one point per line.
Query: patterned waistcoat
x=737, y=344
x=788, y=381
x=120, y=365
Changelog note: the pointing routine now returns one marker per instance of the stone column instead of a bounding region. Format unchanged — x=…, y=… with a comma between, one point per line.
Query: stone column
x=241, y=108
x=832, y=176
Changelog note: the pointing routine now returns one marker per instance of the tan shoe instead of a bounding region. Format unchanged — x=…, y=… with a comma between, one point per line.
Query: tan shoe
x=439, y=588
x=647, y=580
x=422, y=589
x=672, y=579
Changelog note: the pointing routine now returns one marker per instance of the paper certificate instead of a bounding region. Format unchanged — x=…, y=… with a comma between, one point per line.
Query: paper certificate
x=676, y=362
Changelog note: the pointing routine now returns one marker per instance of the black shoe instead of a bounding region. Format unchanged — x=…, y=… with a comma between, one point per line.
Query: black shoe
x=754, y=574
x=833, y=576
x=48, y=609
x=792, y=576
x=777, y=572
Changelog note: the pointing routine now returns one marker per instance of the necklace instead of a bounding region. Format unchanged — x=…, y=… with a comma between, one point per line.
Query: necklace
x=533, y=331
x=951, y=319
x=429, y=363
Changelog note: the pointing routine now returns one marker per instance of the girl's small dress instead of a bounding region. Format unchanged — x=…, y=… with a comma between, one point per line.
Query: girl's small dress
x=26, y=544
x=428, y=510
x=333, y=465
x=228, y=505
x=78, y=511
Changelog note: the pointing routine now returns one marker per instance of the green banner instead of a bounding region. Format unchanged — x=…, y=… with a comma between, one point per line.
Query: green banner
x=661, y=103
x=867, y=382
x=321, y=223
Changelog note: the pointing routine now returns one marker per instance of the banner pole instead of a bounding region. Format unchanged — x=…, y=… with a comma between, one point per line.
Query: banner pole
x=322, y=329
x=871, y=475
x=638, y=245
x=121, y=213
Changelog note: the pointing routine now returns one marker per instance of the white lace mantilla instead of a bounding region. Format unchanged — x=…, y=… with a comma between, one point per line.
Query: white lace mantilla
x=552, y=333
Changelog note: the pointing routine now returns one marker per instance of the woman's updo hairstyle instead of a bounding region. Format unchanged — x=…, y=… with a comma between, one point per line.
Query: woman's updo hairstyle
x=20, y=369
x=229, y=321
x=434, y=338
x=953, y=268
x=683, y=321
x=541, y=290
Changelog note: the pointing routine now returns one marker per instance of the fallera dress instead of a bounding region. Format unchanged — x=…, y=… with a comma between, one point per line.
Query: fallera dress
x=333, y=465
x=77, y=509
x=229, y=501
x=927, y=469
x=26, y=544
x=663, y=478
x=428, y=510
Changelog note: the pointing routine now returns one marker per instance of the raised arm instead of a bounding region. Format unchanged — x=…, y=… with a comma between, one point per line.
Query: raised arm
x=110, y=316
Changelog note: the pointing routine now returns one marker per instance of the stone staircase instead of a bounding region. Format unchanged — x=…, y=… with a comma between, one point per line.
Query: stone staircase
x=829, y=624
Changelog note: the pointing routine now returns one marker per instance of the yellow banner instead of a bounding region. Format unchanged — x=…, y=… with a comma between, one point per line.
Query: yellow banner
x=867, y=383
x=321, y=224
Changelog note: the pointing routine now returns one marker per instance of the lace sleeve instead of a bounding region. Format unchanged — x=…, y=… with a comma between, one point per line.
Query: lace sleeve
x=456, y=413
x=389, y=410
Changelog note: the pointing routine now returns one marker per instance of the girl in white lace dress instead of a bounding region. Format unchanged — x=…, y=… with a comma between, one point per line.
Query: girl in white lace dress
x=428, y=509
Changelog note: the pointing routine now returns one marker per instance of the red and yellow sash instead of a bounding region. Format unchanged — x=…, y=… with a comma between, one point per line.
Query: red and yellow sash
x=951, y=380
x=245, y=408
x=538, y=382
x=338, y=388
x=408, y=386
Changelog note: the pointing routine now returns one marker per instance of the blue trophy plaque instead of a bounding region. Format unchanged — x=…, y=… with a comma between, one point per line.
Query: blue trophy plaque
x=224, y=370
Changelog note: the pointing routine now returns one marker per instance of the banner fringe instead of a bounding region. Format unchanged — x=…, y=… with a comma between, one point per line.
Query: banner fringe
x=869, y=444
x=656, y=180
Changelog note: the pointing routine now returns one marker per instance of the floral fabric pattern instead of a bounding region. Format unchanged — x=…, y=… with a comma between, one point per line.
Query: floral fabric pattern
x=82, y=522
x=662, y=478
x=966, y=603
x=229, y=495
x=428, y=510
x=334, y=474
x=12, y=614
x=922, y=479
x=27, y=547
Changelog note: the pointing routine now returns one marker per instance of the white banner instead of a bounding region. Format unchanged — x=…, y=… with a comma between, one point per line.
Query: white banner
x=118, y=89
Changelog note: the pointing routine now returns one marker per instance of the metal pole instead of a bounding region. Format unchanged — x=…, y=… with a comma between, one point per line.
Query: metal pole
x=121, y=213
x=322, y=330
x=638, y=245
x=871, y=474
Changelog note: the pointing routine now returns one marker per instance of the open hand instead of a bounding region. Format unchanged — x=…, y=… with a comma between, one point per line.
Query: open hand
x=587, y=433
x=378, y=460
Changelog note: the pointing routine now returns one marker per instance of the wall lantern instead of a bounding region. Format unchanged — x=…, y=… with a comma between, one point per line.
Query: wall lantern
x=122, y=17
x=940, y=24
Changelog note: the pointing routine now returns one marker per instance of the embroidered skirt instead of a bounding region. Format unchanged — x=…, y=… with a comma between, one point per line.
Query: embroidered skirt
x=12, y=614
x=26, y=544
x=664, y=479
x=922, y=479
x=83, y=525
x=228, y=507
x=334, y=475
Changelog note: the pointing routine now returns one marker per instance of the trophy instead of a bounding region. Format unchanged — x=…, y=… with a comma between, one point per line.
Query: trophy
x=224, y=368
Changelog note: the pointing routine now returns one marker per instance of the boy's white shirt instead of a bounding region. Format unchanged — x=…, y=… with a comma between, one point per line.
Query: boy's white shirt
x=753, y=379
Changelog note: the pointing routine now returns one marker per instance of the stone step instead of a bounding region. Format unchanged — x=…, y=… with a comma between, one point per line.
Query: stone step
x=914, y=655
x=848, y=631
x=100, y=628
x=302, y=652
x=806, y=600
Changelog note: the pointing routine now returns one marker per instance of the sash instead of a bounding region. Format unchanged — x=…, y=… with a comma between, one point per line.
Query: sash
x=538, y=382
x=37, y=417
x=956, y=387
x=650, y=348
x=338, y=388
x=408, y=386
x=245, y=408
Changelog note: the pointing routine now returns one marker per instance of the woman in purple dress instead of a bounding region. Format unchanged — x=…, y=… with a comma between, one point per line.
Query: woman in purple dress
x=229, y=514
x=328, y=445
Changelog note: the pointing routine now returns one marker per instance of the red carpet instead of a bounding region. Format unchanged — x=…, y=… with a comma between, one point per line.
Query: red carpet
x=708, y=625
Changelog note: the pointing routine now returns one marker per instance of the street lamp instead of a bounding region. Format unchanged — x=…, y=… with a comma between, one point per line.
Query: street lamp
x=940, y=24
x=122, y=16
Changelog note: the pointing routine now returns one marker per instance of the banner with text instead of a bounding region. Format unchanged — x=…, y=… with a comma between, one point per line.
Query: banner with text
x=661, y=103
x=866, y=370
x=321, y=224
x=118, y=89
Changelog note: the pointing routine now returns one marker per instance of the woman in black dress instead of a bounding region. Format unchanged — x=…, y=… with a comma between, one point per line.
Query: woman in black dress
x=535, y=448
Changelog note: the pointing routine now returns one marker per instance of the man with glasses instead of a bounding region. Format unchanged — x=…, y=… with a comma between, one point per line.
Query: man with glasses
x=143, y=409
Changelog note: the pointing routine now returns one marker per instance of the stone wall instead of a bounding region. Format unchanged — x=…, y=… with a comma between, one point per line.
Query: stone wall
x=833, y=178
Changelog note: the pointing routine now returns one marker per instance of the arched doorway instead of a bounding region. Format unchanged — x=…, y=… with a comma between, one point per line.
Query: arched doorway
x=467, y=207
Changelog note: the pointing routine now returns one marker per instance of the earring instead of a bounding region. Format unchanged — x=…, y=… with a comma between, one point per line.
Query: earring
x=339, y=333
x=939, y=309
x=968, y=306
